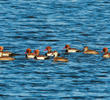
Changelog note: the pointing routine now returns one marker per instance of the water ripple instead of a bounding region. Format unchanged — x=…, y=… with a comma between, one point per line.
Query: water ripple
x=35, y=24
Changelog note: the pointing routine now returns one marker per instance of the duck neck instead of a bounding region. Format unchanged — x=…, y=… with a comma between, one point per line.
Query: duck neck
x=85, y=49
x=28, y=52
x=55, y=54
x=49, y=51
x=68, y=48
x=37, y=54
x=106, y=52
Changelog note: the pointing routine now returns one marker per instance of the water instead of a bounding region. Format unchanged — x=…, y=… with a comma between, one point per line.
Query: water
x=39, y=23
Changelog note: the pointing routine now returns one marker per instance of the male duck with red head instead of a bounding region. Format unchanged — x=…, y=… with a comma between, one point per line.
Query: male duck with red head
x=70, y=50
x=106, y=53
x=1, y=48
x=50, y=52
x=87, y=51
x=5, y=53
x=29, y=54
x=4, y=56
x=39, y=57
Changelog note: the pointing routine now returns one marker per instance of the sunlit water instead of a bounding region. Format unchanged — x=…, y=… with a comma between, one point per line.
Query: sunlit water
x=39, y=23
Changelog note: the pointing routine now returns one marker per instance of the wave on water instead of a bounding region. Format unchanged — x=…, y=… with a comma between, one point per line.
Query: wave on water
x=65, y=1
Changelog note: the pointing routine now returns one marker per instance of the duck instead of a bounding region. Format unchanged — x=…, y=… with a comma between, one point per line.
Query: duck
x=60, y=59
x=5, y=53
x=106, y=53
x=6, y=58
x=87, y=51
x=50, y=52
x=29, y=54
x=39, y=57
x=70, y=50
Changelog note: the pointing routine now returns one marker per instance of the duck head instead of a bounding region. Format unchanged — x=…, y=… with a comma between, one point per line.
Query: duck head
x=48, y=48
x=67, y=46
x=36, y=52
x=105, y=50
x=1, y=48
x=85, y=48
x=28, y=51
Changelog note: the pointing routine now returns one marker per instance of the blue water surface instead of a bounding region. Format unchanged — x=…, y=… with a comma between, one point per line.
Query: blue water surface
x=36, y=24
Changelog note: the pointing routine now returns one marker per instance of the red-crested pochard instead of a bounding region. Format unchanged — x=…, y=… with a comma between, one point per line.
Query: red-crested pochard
x=87, y=51
x=70, y=50
x=50, y=52
x=6, y=58
x=39, y=57
x=29, y=54
x=106, y=53
x=61, y=59
x=5, y=53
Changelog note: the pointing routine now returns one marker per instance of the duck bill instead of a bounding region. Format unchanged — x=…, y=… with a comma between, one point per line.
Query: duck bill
x=45, y=49
x=33, y=53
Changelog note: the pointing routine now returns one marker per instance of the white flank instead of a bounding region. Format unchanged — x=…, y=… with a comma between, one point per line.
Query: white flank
x=40, y=58
x=72, y=50
x=30, y=56
x=50, y=54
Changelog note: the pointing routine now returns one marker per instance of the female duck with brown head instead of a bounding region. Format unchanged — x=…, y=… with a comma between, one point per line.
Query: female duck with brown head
x=39, y=57
x=70, y=50
x=61, y=59
x=29, y=54
x=106, y=53
x=6, y=58
x=87, y=51
x=50, y=52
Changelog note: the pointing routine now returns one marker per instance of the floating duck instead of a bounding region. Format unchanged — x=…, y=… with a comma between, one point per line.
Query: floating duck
x=39, y=57
x=7, y=58
x=61, y=59
x=5, y=53
x=106, y=53
x=50, y=52
x=29, y=54
x=70, y=50
x=87, y=51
